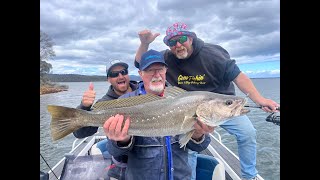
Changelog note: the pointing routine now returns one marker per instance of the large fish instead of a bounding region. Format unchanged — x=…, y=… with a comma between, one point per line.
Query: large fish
x=152, y=115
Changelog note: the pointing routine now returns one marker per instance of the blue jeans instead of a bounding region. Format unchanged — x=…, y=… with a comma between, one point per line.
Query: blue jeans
x=102, y=145
x=245, y=134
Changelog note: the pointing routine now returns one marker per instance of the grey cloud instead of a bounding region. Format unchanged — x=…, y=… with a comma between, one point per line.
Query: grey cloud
x=91, y=32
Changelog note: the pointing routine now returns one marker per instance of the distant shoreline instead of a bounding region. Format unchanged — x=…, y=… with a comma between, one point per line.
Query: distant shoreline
x=82, y=78
x=48, y=89
x=266, y=78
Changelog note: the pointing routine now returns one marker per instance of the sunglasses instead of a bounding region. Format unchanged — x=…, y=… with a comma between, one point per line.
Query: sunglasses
x=181, y=40
x=114, y=74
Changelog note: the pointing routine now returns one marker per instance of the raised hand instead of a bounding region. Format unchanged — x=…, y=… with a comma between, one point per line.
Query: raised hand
x=146, y=36
x=88, y=96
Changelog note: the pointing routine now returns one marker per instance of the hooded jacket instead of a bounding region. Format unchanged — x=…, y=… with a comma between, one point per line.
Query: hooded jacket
x=209, y=68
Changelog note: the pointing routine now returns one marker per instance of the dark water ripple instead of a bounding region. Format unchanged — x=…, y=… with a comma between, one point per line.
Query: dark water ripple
x=54, y=151
x=268, y=134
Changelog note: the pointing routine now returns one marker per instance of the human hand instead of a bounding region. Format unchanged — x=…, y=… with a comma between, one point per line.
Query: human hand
x=115, y=131
x=201, y=129
x=268, y=105
x=146, y=36
x=88, y=96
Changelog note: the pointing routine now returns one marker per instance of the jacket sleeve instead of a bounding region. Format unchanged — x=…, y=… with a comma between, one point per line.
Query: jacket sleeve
x=136, y=64
x=115, y=150
x=85, y=131
x=231, y=71
x=201, y=145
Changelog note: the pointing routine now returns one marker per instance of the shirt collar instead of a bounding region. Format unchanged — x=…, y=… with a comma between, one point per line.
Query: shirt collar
x=143, y=91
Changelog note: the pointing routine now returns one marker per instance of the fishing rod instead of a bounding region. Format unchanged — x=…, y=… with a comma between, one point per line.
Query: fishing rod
x=48, y=166
x=278, y=108
x=273, y=117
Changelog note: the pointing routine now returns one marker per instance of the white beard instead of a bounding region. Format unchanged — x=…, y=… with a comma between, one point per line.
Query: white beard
x=156, y=88
x=184, y=55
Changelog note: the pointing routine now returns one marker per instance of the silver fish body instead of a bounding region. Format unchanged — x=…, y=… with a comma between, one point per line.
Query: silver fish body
x=151, y=115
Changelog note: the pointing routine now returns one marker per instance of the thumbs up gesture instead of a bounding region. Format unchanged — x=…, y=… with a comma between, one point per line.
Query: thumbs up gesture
x=88, y=96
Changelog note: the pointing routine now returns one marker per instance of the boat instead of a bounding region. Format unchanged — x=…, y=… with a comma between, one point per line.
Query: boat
x=85, y=161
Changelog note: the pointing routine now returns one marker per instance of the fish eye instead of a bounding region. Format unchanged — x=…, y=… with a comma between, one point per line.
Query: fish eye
x=228, y=102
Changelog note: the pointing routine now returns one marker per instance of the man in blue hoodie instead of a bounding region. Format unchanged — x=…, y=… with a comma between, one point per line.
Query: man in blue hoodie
x=145, y=154
x=198, y=66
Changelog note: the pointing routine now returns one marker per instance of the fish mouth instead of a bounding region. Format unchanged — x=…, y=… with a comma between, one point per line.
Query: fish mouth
x=244, y=111
x=240, y=107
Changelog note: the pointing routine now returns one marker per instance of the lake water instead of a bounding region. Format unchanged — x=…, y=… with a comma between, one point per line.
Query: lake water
x=268, y=134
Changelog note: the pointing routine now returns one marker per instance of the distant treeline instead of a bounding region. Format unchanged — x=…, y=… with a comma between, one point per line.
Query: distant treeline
x=80, y=78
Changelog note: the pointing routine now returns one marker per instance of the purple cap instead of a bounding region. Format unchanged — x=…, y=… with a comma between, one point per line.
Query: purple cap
x=177, y=29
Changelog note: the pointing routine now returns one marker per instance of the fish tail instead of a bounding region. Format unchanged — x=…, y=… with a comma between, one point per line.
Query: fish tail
x=62, y=121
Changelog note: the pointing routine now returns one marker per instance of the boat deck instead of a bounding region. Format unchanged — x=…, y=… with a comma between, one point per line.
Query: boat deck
x=216, y=149
x=78, y=150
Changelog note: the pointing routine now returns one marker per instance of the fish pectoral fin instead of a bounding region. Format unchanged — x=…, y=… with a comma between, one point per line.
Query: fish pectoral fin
x=188, y=122
x=184, y=139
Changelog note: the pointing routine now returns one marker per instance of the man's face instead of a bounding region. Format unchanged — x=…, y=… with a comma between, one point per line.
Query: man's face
x=181, y=46
x=121, y=82
x=154, y=78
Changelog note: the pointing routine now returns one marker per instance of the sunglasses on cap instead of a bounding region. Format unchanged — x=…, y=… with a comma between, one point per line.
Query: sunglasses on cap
x=114, y=74
x=181, y=39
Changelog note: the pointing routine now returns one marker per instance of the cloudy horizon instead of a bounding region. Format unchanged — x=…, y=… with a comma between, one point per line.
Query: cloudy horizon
x=88, y=34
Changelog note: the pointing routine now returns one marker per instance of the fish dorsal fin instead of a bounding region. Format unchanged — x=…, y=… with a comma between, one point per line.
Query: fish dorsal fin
x=125, y=102
x=173, y=91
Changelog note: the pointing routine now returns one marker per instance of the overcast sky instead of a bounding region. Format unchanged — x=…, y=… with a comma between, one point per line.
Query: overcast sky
x=88, y=34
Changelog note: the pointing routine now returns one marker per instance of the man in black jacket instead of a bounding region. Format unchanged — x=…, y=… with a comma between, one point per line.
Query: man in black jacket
x=198, y=66
x=117, y=76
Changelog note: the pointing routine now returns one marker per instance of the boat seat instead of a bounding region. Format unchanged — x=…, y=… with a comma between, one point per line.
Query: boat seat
x=209, y=168
x=100, y=148
x=95, y=150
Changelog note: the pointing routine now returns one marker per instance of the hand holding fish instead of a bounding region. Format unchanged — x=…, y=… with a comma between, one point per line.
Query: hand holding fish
x=114, y=130
x=88, y=96
x=201, y=129
x=146, y=36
